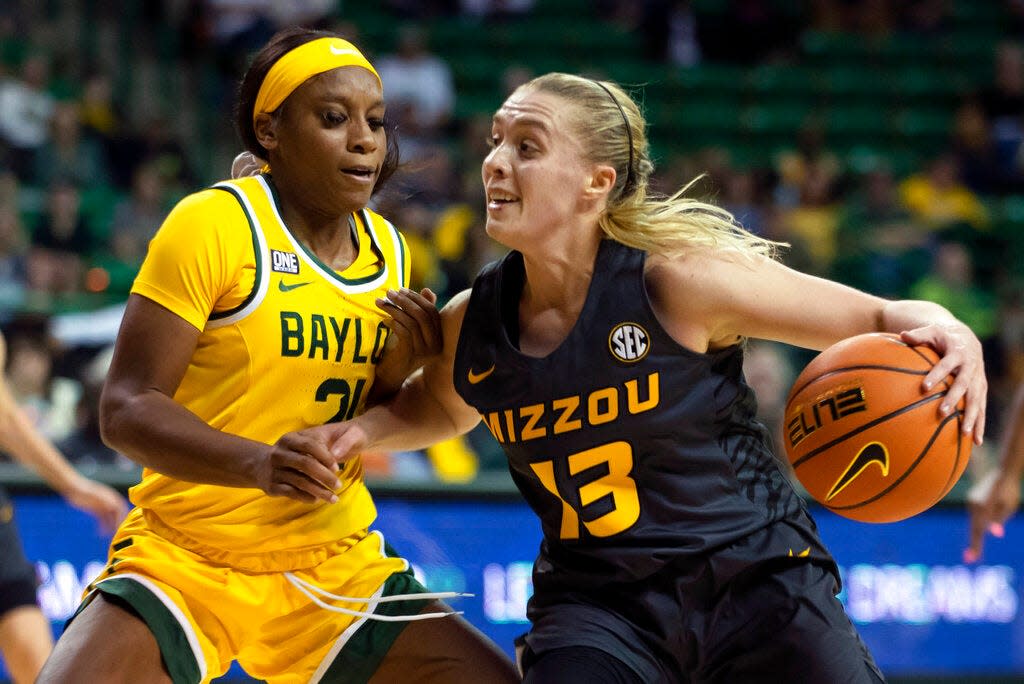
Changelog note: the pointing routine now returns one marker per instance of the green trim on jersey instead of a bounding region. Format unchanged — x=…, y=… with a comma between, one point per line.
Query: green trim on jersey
x=363, y=652
x=374, y=244
x=170, y=637
x=256, y=251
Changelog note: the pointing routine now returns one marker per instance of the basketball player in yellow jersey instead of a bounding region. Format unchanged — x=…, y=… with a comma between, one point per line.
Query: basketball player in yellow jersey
x=265, y=306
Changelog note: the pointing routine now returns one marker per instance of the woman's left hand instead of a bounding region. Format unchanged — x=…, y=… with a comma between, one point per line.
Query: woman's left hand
x=961, y=357
x=415, y=325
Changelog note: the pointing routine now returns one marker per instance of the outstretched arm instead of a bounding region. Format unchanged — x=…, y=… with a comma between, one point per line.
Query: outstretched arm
x=730, y=297
x=996, y=496
x=20, y=438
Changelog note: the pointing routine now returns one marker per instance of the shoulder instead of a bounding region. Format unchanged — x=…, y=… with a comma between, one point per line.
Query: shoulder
x=703, y=270
x=455, y=310
x=697, y=295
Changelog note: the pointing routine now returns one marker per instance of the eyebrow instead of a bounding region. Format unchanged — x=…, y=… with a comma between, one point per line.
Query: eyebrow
x=523, y=121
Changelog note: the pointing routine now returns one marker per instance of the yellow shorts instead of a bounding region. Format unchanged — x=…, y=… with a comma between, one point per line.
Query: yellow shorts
x=280, y=626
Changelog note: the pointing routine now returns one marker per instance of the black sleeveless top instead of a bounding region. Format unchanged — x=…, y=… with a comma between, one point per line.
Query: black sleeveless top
x=634, y=451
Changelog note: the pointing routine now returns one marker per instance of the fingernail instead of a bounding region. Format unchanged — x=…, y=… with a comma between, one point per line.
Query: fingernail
x=928, y=385
x=334, y=498
x=945, y=408
x=997, y=530
x=970, y=555
x=392, y=293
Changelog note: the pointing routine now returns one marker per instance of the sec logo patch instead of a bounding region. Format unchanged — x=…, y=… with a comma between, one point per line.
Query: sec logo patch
x=629, y=342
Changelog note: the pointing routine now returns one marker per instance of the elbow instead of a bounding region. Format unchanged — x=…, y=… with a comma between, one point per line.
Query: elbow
x=113, y=407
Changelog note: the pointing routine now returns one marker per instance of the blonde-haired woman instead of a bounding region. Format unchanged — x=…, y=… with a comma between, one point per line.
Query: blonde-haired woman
x=604, y=352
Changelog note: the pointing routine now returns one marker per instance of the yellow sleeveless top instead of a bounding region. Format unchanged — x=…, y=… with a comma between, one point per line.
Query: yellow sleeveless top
x=286, y=343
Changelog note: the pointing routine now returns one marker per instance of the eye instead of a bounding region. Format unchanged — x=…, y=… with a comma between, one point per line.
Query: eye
x=375, y=124
x=527, y=148
x=493, y=141
x=333, y=118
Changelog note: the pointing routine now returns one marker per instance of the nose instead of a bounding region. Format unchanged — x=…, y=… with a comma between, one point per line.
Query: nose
x=495, y=163
x=360, y=136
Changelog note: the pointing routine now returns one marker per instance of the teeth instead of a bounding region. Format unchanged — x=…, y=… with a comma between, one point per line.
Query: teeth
x=502, y=198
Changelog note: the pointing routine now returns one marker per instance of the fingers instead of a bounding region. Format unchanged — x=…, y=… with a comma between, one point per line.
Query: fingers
x=415, y=319
x=962, y=366
x=977, y=536
x=298, y=485
x=302, y=467
x=246, y=164
x=350, y=443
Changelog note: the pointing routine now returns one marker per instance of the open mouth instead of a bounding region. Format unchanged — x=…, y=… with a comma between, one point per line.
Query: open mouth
x=361, y=172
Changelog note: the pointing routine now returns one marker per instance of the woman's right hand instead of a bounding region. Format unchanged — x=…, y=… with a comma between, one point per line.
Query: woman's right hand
x=299, y=466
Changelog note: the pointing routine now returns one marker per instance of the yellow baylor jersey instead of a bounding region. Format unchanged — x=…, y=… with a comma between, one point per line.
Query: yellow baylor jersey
x=286, y=343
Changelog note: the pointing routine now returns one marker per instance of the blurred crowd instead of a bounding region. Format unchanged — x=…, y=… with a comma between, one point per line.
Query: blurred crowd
x=93, y=155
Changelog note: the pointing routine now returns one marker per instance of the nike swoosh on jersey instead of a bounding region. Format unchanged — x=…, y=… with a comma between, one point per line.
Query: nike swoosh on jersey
x=474, y=378
x=871, y=453
x=288, y=288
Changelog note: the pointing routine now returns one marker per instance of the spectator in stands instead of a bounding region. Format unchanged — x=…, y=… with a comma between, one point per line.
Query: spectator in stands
x=810, y=156
x=1003, y=102
x=974, y=149
x=26, y=107
x=938, y=198
x=84, y=445
x=138, y=216
x=154, y=141
x=881, y=248
x=13, y=259
x=420, y=89
x=496, y=10
x=669, y=29
x=61, y=241
x=741, y=196
x=812, y=226
x=25, y=634
x=46, y=400
x=951, y=283
x=69, y=154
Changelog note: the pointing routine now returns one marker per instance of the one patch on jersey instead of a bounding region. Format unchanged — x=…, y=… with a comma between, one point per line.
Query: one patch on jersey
x=629, y=342
x=284, y=262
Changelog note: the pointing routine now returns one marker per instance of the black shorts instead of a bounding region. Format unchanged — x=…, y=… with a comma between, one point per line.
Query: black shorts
x=779, y=621
x=18, y=579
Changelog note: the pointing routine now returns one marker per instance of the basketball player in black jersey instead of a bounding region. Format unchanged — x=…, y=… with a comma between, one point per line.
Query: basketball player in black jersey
x=604, y=352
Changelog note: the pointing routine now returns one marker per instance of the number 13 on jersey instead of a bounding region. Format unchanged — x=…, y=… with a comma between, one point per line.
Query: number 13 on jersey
x=618, y=457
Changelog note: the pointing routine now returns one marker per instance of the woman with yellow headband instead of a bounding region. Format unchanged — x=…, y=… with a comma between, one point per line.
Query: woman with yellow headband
x=267, y=305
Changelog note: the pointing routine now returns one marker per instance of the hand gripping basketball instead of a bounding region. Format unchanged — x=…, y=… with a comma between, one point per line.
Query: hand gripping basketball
x=863, y=436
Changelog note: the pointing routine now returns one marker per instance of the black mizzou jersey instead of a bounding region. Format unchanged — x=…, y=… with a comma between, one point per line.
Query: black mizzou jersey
x=633, y=450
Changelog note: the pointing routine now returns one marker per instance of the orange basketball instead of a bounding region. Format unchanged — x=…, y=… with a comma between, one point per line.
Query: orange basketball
x=865, y=439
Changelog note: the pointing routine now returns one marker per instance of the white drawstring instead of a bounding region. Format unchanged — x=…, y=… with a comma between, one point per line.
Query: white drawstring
x=310, y=590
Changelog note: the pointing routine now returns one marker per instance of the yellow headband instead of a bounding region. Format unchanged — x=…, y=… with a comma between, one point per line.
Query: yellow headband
x=297, y=66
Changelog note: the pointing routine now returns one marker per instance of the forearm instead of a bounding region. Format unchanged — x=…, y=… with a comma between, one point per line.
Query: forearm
x=908, y=314
x=24, y=443
x=157, y=432
x=413, y=419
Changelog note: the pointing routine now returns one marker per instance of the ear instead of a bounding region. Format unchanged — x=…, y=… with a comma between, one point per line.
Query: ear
x=265, y=128
x=601, y=181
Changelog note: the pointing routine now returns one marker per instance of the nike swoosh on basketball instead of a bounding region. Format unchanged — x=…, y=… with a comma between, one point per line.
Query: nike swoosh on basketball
x=871, y=453
x=288, y=288
x=474, y=378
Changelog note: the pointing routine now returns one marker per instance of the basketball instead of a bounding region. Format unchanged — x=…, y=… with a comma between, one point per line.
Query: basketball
x=863, y=436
